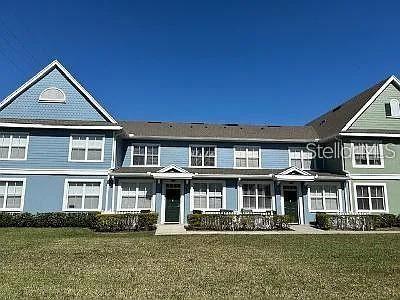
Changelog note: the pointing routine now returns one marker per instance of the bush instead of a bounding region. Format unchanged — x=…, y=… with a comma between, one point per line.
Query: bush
x=386, y=221
x=233, y=222
x=125, y=222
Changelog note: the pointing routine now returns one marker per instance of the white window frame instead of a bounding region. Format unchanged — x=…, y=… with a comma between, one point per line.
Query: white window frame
x=208, y=182
x=394, y=105
x=353, y=157
x=10, y=146
x=202, y=156
x=247, y=156
x=65, y=199
x=240, y=195
x=370, y=210
x=145, y=145
x=302, y=150
x=86, y=148
x=50, y=100
x=323, y=184
x=119, y=199
x=20, y=209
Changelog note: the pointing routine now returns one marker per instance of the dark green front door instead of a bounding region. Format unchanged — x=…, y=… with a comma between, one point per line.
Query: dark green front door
x=172, y=202
x=291, y=208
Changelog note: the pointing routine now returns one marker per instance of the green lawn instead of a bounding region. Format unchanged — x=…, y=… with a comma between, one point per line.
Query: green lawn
x=37, y=263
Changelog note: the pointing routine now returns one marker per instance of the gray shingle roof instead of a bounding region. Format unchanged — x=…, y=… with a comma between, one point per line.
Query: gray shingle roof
x=217, y=131
x=332, y=122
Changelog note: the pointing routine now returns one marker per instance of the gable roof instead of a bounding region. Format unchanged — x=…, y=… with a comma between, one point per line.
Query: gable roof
x=57, y=65
x=217, y=132
x=334, y=121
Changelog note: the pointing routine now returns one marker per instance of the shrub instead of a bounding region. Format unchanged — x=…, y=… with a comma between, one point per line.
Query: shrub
x=233, y=222
x=125, y=222
x=385, y=220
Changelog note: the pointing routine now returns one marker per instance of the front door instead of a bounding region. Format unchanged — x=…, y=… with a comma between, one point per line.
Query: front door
x=172, y=202
x=291, y=207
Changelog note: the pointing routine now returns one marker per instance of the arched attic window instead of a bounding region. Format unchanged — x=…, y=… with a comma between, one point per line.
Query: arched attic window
x=395, y=108
x=52, y=95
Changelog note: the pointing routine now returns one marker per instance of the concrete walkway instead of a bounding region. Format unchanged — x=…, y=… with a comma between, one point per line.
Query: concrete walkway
x=177, y=229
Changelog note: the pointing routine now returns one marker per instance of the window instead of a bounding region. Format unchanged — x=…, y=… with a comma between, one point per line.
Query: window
x=323, y=198
x=136, y=196
x=394, y=108
x=257, y=196
x=207, y=195
x=371, y=197
x=52, y=95
x=12, y=194
x=367, y=154
x=202, y=156
x=247, y=157
x=83, y=195
x=301, y=158
x=13, y=146
x=145, y=155
x=87, y=148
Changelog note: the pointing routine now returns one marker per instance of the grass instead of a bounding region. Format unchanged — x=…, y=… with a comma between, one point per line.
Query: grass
x=64, y=263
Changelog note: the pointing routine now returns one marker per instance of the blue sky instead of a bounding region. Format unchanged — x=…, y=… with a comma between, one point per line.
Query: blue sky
x=278, y=62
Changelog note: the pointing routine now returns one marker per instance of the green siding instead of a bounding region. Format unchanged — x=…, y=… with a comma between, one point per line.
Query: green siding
x=374, y=116
x=392, y=190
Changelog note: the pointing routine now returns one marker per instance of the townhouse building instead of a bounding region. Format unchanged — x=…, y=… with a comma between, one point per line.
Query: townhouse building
x=60, y=150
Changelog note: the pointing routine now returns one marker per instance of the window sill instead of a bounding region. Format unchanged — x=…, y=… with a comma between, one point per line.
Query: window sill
x=81, y=210
x=10, y=209
x=368, y=166
x=86, y=161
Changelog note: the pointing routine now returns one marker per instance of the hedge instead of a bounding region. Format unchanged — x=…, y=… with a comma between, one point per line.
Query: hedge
x=240, y=222
x=95, y=221
x=356, y=222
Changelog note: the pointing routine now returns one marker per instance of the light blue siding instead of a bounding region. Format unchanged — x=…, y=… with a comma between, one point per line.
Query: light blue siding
x=174, y=155
x=50, y=150
x=45, y=193
x=231, y=194
x=274, y=157
x=27, y=106
x=225, y=156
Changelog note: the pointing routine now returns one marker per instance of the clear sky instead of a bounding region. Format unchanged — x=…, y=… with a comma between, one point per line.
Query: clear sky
x=278, y=62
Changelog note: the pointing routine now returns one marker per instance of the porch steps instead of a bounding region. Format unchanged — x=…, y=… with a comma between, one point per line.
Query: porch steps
x=170, y=229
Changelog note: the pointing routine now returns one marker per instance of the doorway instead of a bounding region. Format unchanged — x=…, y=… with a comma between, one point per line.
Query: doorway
x=172, y=202
x=291, y=203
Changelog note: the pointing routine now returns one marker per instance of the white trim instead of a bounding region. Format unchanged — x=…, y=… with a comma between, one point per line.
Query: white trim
x=191, y=207
x=164, y=173
x=302, y=150
x=369, y=184
x=380, y=135
x=370, y=101
x=240, y=194
x=375, y=176
x=114, y=152
x=172, y=167
x=247, y=156
x=145, y=145
x=296, y=177
x=86, y=147
x=294, y=169
x=323, y=184
x=95, y=172
x=57, y=64
x=11, y=134
x=202, y=155
x=50, y=100
x=368, y=166
x=136, y=181
x=65, y=199
x=21, y=208
x=181, y=202
x=43, y=126
x=191, y=138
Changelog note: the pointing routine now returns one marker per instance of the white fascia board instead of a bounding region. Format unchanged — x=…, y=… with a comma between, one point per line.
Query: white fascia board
x=52, y=65
x=172, y=175
x=295, y=178
x=360, y=134
x=43, y=126
x=86, y=172
x=370, y=101
x=375, y=176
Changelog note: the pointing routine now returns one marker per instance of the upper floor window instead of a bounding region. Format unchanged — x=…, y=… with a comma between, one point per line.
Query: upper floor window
x=52, y=95
x=323, y=198
x=367, y=154
x=207, y=195
x=257, y=196
x=301, y=158
x=12, y=195
x=145, y=155
x=394, y=108
x=86, y=148
x=82, y=195
x=136, y=196
x=247, y=157
x=202, y=156
x=371, y=197
x=13, y=146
